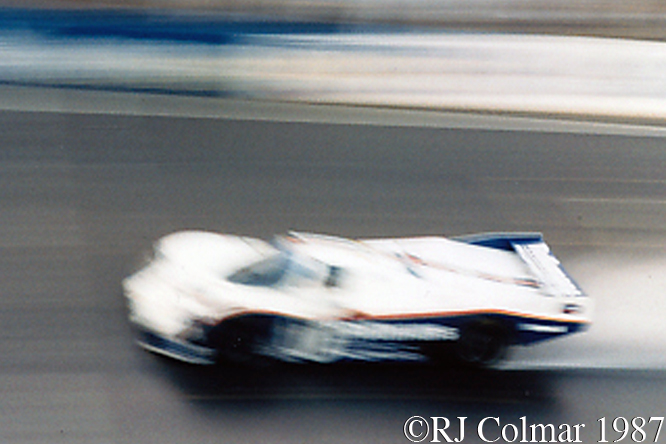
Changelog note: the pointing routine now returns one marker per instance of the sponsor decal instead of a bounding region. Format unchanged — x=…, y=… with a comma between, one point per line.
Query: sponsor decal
x=383, y=331
x=356, y=340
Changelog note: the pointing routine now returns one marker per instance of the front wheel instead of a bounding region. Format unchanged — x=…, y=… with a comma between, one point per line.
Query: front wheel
x=240, y=341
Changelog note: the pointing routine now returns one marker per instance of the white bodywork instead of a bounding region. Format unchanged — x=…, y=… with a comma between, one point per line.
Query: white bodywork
x=325, y=295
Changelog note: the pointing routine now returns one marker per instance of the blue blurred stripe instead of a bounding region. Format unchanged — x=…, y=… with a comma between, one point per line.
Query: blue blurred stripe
x=153, y=26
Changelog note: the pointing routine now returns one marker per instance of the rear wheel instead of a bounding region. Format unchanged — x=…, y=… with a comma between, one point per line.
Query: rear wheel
x=482, y=344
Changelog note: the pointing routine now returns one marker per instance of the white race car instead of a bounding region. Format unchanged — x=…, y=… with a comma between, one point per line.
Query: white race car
x=314, y=298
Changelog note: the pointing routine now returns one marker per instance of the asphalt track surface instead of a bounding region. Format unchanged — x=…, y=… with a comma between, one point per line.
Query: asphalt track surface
x=83, y=194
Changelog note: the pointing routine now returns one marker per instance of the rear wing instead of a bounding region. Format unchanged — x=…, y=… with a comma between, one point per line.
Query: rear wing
x=536, y=255
x=547, y=269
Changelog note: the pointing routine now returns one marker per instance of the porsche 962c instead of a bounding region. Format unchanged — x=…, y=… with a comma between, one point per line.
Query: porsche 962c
x=204, y=297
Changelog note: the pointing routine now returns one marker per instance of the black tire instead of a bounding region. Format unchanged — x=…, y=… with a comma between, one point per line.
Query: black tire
x=482, y=344
x=239, y=341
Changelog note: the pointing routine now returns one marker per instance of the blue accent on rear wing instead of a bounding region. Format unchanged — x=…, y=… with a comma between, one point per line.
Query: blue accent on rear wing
x=545, y=266
x=500, y=241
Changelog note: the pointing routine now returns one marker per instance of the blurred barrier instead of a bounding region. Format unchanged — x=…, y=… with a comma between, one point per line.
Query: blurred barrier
x=480, y=72
x=488, y=72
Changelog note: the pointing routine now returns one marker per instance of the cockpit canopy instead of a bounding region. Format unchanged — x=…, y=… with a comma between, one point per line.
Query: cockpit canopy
x=287, y=268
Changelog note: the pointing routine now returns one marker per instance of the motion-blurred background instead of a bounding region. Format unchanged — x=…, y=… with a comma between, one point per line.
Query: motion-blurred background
x=500, y=56
x=122, y=121
x=640, y=18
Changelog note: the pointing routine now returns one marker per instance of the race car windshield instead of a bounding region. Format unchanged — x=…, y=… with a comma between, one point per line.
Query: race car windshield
x=264, y=273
